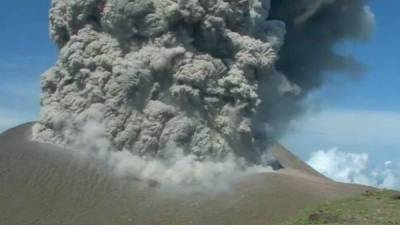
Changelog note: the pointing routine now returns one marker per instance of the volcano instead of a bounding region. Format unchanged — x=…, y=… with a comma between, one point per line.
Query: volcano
x=44, y=184
x=165, y=112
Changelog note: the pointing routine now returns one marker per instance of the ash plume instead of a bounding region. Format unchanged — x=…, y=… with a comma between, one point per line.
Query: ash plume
x=314, y=28
x=214, y=78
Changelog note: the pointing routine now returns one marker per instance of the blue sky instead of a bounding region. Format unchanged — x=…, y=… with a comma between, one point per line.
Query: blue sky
x=26, y=52
x=359, y=115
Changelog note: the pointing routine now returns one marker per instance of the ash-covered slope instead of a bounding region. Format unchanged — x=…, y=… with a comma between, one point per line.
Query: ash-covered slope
x=209, y=77
x=46, y=185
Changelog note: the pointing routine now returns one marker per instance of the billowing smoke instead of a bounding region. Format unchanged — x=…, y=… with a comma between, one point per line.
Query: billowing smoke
x=314, y=29
x=214, y=78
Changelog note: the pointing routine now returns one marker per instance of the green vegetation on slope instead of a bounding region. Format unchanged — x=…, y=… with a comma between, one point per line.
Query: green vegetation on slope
x=381, y=207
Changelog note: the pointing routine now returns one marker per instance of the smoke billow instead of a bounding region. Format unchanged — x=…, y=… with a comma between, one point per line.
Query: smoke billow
x=314, y=28
x=214, y=78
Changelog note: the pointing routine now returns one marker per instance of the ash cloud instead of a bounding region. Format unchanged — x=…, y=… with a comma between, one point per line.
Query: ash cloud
x=214, y=78
x=314, y=28
x=176, y=171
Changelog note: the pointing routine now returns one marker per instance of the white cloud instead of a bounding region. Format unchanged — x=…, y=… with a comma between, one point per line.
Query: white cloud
x=355, y=168
x=340, y=166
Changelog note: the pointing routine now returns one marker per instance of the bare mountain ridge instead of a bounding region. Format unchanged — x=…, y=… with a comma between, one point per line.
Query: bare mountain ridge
x=43, y=184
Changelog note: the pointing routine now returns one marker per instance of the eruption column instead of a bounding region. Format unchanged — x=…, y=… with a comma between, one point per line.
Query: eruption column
x=211, y=77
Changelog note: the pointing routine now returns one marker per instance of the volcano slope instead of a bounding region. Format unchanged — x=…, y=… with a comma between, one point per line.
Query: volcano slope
x=46, y=185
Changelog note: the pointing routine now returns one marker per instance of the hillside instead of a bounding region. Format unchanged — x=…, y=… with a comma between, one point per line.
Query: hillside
x=46, y=185
x=379, y=207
